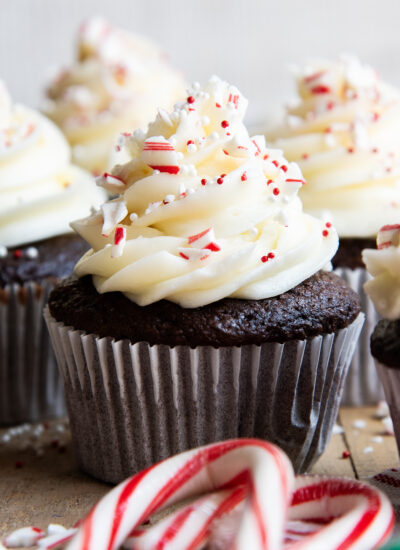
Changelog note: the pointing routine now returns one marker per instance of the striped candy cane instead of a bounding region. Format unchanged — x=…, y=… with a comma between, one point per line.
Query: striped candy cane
x=261, y=467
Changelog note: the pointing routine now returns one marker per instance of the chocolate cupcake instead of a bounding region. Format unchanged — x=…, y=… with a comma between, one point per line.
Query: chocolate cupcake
x=384, y=290
x=40, y=191
x=344, y=134
x=117, y=82
x=202, y=311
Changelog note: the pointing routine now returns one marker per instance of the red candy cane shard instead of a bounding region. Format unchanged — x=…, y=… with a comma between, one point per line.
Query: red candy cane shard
x=119, y=242
x=388, y=235
x=160, y=154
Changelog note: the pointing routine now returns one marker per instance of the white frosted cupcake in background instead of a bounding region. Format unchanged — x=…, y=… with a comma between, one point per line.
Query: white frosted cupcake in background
x=117, y=82
x=344, y=132
x=40, y=192
x=384, y=290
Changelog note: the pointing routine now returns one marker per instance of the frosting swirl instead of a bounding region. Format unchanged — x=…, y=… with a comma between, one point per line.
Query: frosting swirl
x=117, y=83
x=344, y=134
x=384, y=266
x=40, y=190
x=204, y=211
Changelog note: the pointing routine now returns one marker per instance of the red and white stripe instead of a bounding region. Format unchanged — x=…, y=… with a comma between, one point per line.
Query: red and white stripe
x=260, y=467
x=388, y=235
x=119, y=242
x=160, y=154
x=111, y=183
x=205, y=240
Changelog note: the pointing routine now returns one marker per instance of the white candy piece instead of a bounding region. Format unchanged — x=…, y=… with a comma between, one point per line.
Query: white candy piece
x=110, y=183
x=113, y=213
x=26, y=536
x=160, y=154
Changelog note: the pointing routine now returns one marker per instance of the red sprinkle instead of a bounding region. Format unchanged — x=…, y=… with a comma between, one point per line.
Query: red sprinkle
x=269, y=181
x=203, y=181
x=218, y=105
x=321, y=89
x=119, y=235
x=226, y=152
x=328, y=130
x=275, y=163
x=345, y=454
x=330, y=105
x=284, y=168
x=375, y=117
x=265, y=157
x=276, y=191
x=190, y=142
x=264, y=259
x=243, y=176
x=305, y=156
x=224, y=124
x=271, y=255
x=36, y=529
x=18, y=464
x=328, y=224
x=374, y=150
x=17, y=253
x=325, y=233
x=220, y=181
x=190, y=99
x=350, y=150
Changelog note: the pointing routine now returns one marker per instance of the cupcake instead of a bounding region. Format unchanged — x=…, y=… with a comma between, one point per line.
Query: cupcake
x=344, y=134
x=384, y=290
x=202, y=311
x=40, y=191
x=116, y=83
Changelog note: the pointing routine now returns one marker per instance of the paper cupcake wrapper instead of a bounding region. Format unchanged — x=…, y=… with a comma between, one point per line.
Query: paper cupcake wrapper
x=390, y=379
x=30, y=384
x=362, y=385
x=131, y=405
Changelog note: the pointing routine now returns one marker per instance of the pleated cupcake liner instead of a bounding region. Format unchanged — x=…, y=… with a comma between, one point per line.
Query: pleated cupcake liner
x=30, y=384
x=131, y=405
x=362, y=385
x=390, y=378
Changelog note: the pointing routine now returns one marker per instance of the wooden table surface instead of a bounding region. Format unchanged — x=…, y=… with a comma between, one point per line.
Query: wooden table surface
x=38, y=490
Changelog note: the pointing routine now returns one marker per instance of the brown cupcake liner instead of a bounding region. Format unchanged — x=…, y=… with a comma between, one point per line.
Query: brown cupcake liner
x=131, y=405
x=30, y=384
x=362, y=385
x=390, y=378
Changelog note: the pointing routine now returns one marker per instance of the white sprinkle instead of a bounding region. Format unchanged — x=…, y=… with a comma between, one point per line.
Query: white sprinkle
x=377, y=439
x=179, y=155
x=156, y=172
x=337, y=429
x=192, y=170
x=253, y=231
x=272, y=198
x=196, y=85
x=5, y=438
x=190, y=191
x=172, y=141
x=168, y=199
x=32, y=252
x=359, y=424
x=191, y=148
x=213, y=136
x=3, y=251
x=368, y=450
x=205, y=120
x=286, y=199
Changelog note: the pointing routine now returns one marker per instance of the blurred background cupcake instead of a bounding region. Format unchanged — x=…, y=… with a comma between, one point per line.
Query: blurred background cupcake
x=40, y=192
x=202, y=311
x=344, y=132
x=118, y=81
x=384, y=290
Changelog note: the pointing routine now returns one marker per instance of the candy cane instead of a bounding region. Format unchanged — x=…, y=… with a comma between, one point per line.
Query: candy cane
x=263, y=468
x=249, y=482
x=388, y=235
x=160, y=154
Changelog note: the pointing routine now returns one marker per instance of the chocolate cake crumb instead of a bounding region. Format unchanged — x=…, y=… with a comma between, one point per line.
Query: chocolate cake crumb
x=349, y=252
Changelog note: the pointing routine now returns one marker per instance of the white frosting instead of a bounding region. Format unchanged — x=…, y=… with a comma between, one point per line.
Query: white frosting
x=116, y=84
x=205, y=211
x=384, y=266
x=344, y=132
x=40, y=191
